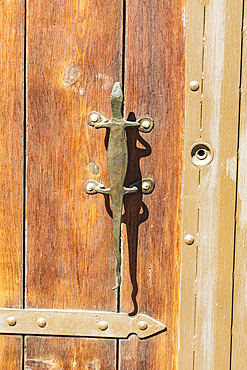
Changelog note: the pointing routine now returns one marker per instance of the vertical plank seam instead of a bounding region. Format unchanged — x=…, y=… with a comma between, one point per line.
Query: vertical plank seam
x=24, y=158
x=22, y=362
x=23, y=351
x=237, y=177
x=117, y=354
x=199, y=183
x=202, y=75
x=193, y=360
x=24, y=176
x=123, y=111
x=123, y=47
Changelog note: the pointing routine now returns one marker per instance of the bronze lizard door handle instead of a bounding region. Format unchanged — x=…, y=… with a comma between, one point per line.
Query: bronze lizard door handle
x=117, y=161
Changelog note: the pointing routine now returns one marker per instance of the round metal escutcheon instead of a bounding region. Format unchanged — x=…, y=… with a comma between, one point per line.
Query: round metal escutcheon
x=201, y=154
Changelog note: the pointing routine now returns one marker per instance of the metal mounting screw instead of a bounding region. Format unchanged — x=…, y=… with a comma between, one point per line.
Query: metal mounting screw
x=189, y=239
x=145, y=185
x=94, y=117
x=194, y=85
x=103, y=325
x=11, y=320
x=143, y=325
x=41, y=322
x=90, y=186
x=145, y=124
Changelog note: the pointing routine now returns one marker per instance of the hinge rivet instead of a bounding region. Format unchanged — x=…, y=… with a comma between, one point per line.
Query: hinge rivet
x=143, y=325
x=145, y=185
x=94, y=117
x=194, y=85
x=145, y=124
x=103, y=325
x=41, y=322
x=189, y=239
x=11, y=320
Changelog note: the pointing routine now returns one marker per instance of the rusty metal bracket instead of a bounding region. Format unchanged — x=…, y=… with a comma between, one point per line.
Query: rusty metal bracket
x=117, y=162
x=77, y=323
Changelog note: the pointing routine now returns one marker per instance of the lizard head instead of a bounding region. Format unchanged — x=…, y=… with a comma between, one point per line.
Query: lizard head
x=117, y=101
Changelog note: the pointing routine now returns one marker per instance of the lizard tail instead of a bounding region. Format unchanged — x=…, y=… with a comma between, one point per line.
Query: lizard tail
x=117, y=218
x=118, y=272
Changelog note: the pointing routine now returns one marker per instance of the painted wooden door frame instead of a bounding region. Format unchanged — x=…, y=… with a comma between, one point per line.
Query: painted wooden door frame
x=213, y=59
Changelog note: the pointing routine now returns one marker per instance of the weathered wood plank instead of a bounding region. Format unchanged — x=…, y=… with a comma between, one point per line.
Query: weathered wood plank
x=69, y=353
x=73, y=59
x=154, y=86
x=239, y=330
x=213, y=50
x=11, y=169
x=11, y=151
x=11, y=352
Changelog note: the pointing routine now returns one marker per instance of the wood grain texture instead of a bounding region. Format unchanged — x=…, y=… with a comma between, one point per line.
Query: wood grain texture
x=239, y=330
x=11, y=151
x=65, y=353
x=213, y=51
x=11, y=352
x=73, y=60
x=154, y=86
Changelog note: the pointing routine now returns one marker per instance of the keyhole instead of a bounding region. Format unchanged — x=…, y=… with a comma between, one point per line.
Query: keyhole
x=201, y=154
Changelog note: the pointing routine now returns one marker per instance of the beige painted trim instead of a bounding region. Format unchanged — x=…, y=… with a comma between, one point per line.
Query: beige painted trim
x=213, y=55
x=239, y=332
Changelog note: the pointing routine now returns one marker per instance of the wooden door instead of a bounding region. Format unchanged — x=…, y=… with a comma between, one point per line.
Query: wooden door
x=59, y=61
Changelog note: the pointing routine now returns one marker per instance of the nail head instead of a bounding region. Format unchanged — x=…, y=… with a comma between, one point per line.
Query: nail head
x=41, y=322
x=145, y=185
x=90, y=187
x=94, y=117
x=143, y=325
x=11, y=320
x=189, y=239
x=194, y=85
x=103, y=325
x=145, y=124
